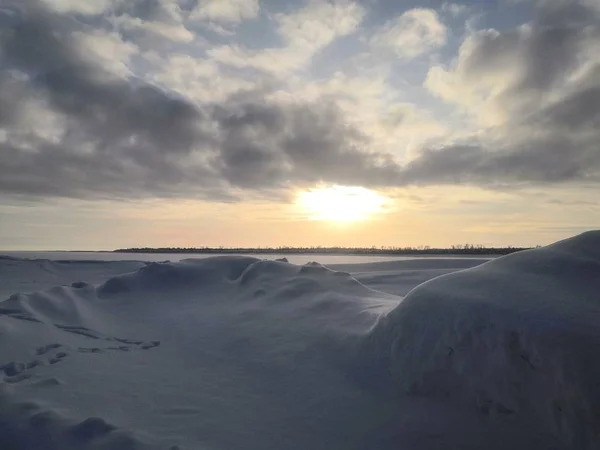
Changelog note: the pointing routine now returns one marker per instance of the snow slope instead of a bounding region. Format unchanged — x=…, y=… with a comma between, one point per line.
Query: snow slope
x=517, y=336
x=242, y=353
x=18, y=275
x=399, y=277
x=199, y=346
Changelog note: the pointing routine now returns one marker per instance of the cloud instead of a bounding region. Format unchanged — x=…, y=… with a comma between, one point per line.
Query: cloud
x=542, y=162
x=108, y=49
x=109, y=124
x=75, y=121
x=537, y=89
x=319, y=23
x=226, y=11
x=172, y=31
x=200, y=79
x=454, y=9
x=304, y=32
x=79, y=7
x=516, y=70
x=52, y=61
x=163, y=18
x=306, y=143
x=119, y=136
x=411, y=34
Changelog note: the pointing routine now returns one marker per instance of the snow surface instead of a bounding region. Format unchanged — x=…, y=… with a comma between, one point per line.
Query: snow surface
x=237, y=352
x=24, y=274
x=300, y=259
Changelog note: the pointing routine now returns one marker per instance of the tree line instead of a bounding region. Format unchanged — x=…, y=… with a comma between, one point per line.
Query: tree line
x=461, y=249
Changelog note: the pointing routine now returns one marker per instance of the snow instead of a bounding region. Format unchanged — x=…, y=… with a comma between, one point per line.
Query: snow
x=519, y=335
x=24, y=274
x=236, y=352
x=300, y=259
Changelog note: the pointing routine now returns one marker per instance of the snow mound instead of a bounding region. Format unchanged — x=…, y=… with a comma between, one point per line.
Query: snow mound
x=518, y=336
x=236, y=352
x=212, y=350
x=242, y=273
x=400, y=277
x=27, y=425
x=26, y=275
x=186, y=274
x=58, y=304
x=235, y=284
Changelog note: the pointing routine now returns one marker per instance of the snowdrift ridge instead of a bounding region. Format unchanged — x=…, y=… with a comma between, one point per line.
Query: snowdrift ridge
x=518, y=335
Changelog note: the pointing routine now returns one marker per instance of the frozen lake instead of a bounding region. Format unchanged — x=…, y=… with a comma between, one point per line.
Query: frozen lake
x=174, y=257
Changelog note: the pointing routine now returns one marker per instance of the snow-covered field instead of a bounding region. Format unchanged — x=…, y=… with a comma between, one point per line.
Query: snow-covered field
x=236, y=352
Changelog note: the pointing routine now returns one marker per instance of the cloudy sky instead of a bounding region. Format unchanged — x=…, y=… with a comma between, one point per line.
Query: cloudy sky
x=297, y=122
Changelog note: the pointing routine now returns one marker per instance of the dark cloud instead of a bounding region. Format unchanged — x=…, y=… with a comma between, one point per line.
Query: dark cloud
x=552, y=160
x=119, y=135
x=552, y=134
x=112, y=110
x=122, y=136
x=150, y=10
x=321, y=148
x=543, y=52
x=296, y=144
x=579, y=111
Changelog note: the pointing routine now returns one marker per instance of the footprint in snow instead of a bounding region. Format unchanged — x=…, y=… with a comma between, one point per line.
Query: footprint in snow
x=17, y=378
x=47, y=382
x=129, y=343
x=18, y=314
x=82, y=331
x=150, y=345
x=58, y=357
x=17, y=371
x=46, y=348
x=90, y=350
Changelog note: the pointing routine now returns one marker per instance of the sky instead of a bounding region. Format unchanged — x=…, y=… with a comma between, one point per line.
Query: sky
x=127, y=123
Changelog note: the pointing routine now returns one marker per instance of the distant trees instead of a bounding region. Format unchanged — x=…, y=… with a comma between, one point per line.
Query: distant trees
x=460, y=249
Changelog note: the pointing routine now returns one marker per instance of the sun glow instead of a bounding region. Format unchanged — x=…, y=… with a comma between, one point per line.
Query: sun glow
x=341, y=203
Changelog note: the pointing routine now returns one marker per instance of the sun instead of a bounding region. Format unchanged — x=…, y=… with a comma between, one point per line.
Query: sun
x=341, y=203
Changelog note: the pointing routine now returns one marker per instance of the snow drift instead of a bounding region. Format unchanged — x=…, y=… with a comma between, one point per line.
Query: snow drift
x=18, y=275
x=241, y=353
x=225, y=352
x=519, y=335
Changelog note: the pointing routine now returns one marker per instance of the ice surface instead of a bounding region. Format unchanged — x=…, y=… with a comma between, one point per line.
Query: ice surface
x=242, y=353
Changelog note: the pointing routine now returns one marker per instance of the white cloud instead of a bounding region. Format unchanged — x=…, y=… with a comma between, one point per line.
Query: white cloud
x=304, y=32
x=534, y=92
x=476, y=92
x=86, y=7
x=227, y=11
x=218, y=29
x=109, y=49
x=37, y=118
x=163, y=18
x=197, y=79
x=489, y=68
x=454, y=9
x=172, y=31
x=319, y=23
x=415, y=32
x=275, y=60
x=396, y=128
